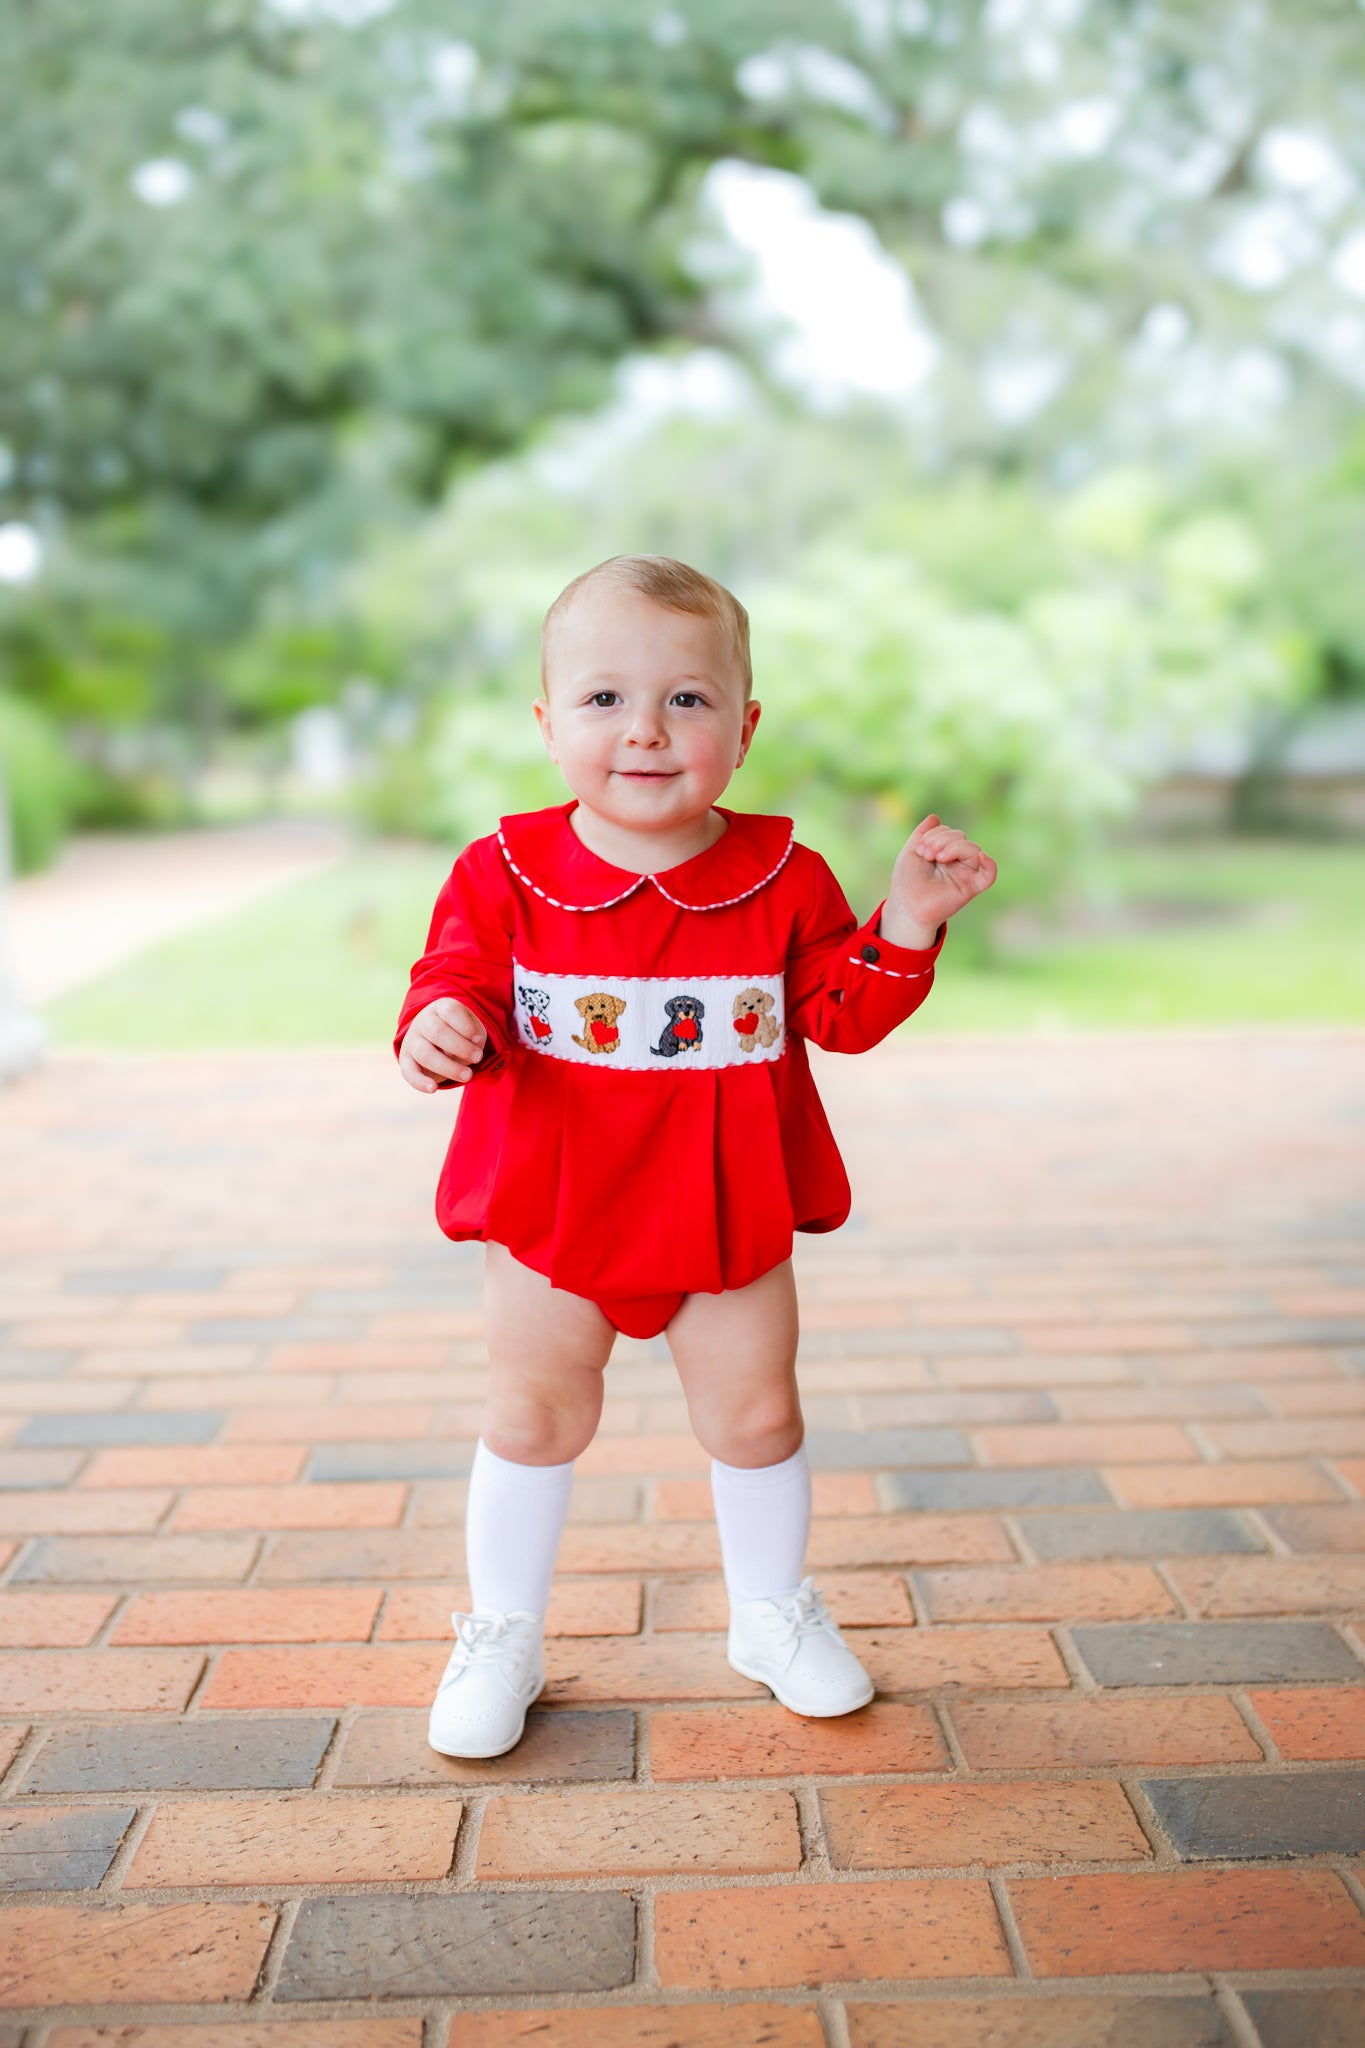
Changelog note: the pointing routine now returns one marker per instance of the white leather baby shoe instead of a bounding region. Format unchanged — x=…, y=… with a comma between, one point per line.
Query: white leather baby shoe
x=496, y=1669
x=792, y=1643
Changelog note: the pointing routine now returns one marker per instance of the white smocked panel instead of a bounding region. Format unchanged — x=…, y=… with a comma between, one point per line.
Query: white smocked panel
x=653, y=1023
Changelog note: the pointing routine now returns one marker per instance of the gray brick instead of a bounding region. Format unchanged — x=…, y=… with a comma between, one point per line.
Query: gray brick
x=876, y=1449
x=114, y=1560
x=1275, y=1813
x=461, y=1944
x=391, y=1461
x=211, y=1753
x=1005, y=1486
x=32, y=1365
x=1319, y=1528
x=25, y=1470
x=920, y=1343
x=1139, y=1532
x=1113, y=2021
x=297, y=1329
x=367, y=1554
x=59, y=1849
x=145, y=1280
x=1330, y=2017
x=140, y=1426
x=571, y=1745
x=1215, y=1653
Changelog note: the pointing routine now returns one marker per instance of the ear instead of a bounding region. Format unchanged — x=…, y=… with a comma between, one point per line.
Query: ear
x=542, y=710
x=617, y=1006
x=580, y=1003
x=752, y=712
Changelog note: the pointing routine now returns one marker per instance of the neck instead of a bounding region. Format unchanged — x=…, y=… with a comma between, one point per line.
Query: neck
x=645, y=852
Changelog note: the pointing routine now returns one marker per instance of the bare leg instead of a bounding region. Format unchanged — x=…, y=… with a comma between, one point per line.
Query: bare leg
x=736, y=1358
x=546, y=1354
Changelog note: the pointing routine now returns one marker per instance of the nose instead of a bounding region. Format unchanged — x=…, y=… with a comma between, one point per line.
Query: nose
x=647, y=728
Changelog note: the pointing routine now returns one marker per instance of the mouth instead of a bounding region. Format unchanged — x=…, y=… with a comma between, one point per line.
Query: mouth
x=646, y=774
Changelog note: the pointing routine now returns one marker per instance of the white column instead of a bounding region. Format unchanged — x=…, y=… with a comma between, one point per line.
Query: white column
x=22, y=1038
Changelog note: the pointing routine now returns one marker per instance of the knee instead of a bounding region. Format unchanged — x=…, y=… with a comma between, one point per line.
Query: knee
x=540, y=1432
x=764, y=1436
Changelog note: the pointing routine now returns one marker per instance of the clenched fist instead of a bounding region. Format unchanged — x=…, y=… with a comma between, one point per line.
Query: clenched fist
x=444, y=1042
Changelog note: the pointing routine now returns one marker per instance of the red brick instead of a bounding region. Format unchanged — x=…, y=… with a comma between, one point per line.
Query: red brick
x=1004, y=1369
x=97, y=1681
x=1187, y=1920
x=908, y=1540
x=11, y=1742
x=51, y=1621
x=194, y=1465
x=832, y=1493
x=1083, y=1443
x=1206, y=1367
x=340, y=1504
x=663, y=1454
x=1271, y=1585
x=578, y=1607
x=1314, y=1723
x=1289, y=1436
x=132, y=1955
x=83, y=1514
x=1352, y=1470
x=855, y=1599
x=1218, y=1486
x=641, y=2026
x=922, y=1659
x=1037, y=2021
x=1035, y=1734
x=637, y=1830
x=367, y=2033
x=303, y=1838
x=359, y=1354
x=880, y=1827
x=1162, y=1404
x=768, y=1741
x=828, y=1933
x=1108, y=1336
x=1316, y=1397
x=1051, y=1592
x=367, y=1675
x=641, y=1547
x=252, y=1614
x=322, y=1423
x=679, y=1667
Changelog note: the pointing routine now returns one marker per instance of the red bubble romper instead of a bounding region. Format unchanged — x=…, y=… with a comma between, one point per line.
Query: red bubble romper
x=644, y=1124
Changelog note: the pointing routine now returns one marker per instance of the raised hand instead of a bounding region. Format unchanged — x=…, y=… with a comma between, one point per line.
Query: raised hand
x=936, y=872
x=444, y=1042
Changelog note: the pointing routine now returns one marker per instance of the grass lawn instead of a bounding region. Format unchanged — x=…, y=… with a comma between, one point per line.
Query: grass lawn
x=1200, y=933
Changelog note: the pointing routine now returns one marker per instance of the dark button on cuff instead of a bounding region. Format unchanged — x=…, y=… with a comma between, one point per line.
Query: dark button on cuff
x=872, y=953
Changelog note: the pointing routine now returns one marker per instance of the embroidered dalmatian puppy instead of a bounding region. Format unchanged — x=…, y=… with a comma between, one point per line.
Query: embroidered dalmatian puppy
x=536, y=1003
x=752, y=1011
x=683, y=1029
x=599, y=1012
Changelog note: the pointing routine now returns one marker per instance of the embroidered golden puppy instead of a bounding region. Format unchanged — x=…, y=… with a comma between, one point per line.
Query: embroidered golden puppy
x=752, y=1011
x=599, y=1012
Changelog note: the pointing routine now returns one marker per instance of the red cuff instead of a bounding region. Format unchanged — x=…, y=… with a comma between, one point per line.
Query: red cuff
x=867, y=948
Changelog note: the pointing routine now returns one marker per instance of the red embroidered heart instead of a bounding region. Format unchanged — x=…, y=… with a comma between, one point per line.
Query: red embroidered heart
x=685, y=1027
x=747, y=1024
x=540, y=1027
x=605, y=1034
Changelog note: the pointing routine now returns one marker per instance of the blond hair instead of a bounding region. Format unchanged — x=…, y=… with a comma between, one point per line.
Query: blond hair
x=674, y=586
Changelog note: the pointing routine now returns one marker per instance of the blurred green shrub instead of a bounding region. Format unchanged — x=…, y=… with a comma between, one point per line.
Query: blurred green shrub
x=43, y=784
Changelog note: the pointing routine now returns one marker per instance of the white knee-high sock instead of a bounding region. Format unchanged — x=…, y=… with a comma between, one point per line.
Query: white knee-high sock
x=513, y=1524
x=763, y=1514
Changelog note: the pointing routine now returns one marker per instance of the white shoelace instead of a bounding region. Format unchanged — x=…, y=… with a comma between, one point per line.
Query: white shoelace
x=804, y=1612
x=481, y=1637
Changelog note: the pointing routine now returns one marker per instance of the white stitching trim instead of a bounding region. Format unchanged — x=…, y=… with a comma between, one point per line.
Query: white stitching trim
x=725, y=904
x=896, y=973
x=548, y=898
x=640, y=880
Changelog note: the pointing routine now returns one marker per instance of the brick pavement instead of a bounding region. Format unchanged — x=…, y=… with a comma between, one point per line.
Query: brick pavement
x=1085, y=1390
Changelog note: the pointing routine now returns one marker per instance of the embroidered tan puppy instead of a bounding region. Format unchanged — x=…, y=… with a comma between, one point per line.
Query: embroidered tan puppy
x=754, y=1020
x=599, y=1012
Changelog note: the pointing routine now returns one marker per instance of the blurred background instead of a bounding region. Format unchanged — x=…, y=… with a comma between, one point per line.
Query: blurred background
x=1006, y=360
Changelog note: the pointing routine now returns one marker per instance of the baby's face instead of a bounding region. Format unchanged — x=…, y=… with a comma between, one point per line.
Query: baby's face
x=645, y=710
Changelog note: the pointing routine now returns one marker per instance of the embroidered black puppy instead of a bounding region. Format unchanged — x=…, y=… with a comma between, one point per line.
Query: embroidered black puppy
x=683, y=1029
